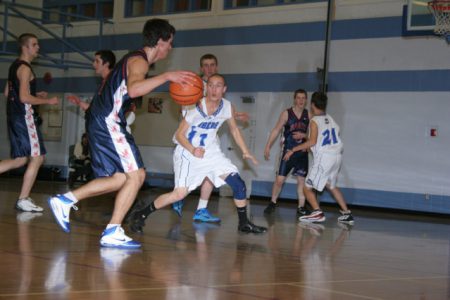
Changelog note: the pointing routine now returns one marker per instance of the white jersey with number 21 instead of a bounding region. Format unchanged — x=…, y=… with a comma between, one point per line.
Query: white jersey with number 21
x=328, y=136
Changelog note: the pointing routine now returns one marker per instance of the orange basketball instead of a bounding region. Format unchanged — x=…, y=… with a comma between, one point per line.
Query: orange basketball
x=185, y=94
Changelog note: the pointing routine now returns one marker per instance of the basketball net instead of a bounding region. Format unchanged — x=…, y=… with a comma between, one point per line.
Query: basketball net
x=441, y=12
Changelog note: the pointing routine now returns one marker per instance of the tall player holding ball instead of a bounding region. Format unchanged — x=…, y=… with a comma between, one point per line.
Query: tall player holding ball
x=115, y=156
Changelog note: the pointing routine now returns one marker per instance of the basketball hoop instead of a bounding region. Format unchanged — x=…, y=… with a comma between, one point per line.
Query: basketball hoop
x=441, y=12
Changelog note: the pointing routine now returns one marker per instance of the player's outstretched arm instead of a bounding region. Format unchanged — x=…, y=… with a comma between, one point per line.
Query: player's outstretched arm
x=138, y=85
x=237, y=136
x=77, y=101
x=24, y=75
x=274, y=133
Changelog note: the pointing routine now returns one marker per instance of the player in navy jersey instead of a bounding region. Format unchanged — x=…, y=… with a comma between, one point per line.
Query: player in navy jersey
x=198, y=156
x=294, y=122
x=24, y=135
x=104, y=62
x=116, y=160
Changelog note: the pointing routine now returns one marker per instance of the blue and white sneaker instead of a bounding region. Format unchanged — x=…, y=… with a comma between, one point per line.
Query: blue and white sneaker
x=178, y=207
x=60, y=206
x=203, y=215
x=114, y=237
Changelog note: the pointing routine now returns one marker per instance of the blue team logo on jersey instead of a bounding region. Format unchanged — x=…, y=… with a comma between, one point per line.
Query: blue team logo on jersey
x=208, y=125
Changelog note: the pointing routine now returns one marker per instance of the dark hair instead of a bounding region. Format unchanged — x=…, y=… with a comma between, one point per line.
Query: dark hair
x=85, y=147
x=218, y=75
x=23, y=39
x=319, y=99
x=155, y=29
x=107, y=56
x=300, y=91
x=208, y=56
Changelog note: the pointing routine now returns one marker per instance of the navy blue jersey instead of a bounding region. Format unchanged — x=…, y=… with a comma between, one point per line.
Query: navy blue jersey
x=24, y=135
x=112, y=96
x=292, y=125
x=14, y=105
x=112, y=147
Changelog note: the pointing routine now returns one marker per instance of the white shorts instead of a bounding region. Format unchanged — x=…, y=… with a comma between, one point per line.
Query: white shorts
x=324, y=170
x=190, y=171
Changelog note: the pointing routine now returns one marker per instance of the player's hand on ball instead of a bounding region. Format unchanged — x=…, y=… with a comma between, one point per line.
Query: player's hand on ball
x=198, y=152
x=182, y=77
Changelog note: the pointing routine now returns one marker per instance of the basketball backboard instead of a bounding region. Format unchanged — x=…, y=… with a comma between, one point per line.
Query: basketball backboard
x=418, y=17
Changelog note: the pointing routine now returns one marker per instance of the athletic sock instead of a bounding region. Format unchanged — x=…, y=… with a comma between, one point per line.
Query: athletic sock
x=71, y=196
x=242, y=214
x=148, y=210
x=111, y=225
x=202, y=203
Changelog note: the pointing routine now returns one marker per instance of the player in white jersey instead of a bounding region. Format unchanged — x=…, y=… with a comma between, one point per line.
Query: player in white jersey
x=326, y=146
x=198, y=156
x=208, y=66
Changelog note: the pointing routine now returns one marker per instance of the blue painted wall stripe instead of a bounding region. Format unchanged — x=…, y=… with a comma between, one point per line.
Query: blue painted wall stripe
x=244, y=35
x=362, y=81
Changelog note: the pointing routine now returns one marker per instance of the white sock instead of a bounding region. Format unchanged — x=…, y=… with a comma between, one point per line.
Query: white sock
x=71, y=196
x=202, y=203
x=111, y=225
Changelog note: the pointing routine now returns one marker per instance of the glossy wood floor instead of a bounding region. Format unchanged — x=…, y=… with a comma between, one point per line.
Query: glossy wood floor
x=384, y=255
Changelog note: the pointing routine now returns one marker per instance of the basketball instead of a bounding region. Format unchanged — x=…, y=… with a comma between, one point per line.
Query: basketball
x=187, y=94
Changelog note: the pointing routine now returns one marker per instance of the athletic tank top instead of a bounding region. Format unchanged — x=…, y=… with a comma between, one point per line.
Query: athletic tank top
x=14, y=106
x=112, y=100
x=328, y=135
x=292, y=125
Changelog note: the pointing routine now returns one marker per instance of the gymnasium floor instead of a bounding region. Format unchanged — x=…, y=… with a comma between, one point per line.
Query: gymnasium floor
x=384, y=256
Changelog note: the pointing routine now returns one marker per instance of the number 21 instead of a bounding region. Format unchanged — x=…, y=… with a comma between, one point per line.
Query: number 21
x=327, y=140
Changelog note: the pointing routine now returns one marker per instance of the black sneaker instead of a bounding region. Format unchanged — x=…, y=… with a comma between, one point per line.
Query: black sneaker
x=346, y=217
x=136, y=221
x=270, y=208
x=249, y=227
x=302, y=211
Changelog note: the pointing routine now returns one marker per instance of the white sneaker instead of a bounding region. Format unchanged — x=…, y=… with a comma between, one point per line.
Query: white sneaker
x=60, y=206
x=115, y=237
x=26, y=216
x=315, y=216
x=27, y=204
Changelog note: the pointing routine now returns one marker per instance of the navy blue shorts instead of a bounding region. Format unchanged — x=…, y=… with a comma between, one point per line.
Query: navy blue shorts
x=112, y=148
x=24, y=136
x=297, y=163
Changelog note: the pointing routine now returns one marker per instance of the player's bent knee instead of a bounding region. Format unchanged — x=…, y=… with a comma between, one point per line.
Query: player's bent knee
x=141, y=174
x=237, y=185
x=180, y=193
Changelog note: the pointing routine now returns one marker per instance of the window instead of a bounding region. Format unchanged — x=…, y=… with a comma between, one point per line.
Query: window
x=137, y=8
x=230, y=4
x=93, y=9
